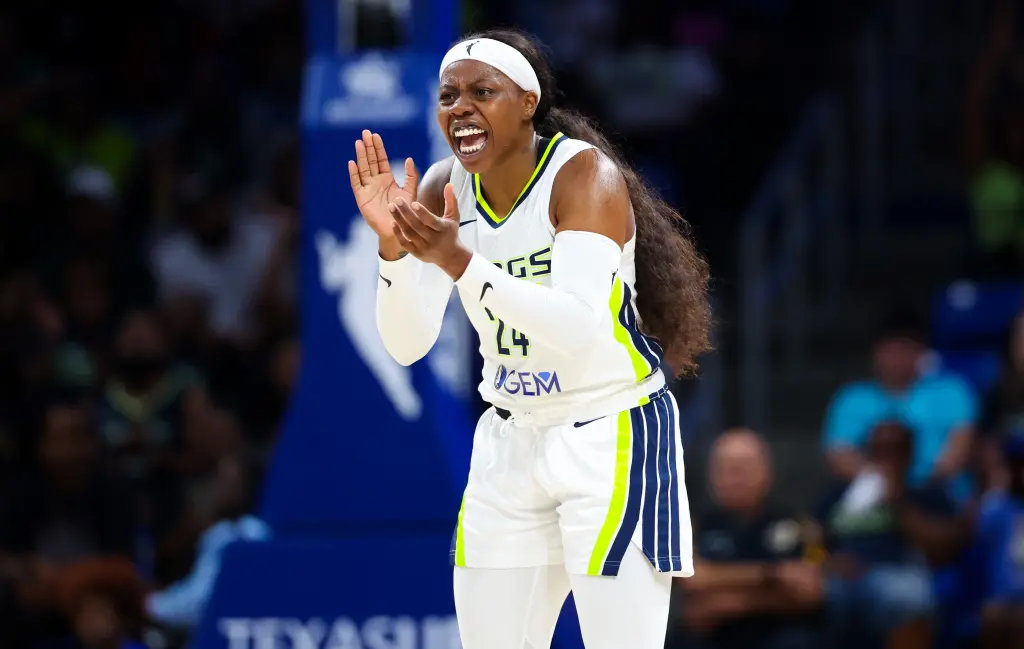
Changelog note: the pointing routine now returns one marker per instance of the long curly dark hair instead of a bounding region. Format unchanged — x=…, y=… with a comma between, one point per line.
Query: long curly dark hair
x=672, y=277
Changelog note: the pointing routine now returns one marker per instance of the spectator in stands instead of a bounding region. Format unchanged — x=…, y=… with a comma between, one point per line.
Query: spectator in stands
x=1001, y=554
x=263, y=415
x=79, y=133
x=102, y=599
x=145, y=396
x=1004, y=407
x=93, y=230
x=29, y=331
x=212, y=268
x=751, y=588
x=187, y=505
x=182, y=604
x=995, y=152
x=68, y=510
x=941, y=410
x=278, y=292
x=880, y=533
x=89, y=322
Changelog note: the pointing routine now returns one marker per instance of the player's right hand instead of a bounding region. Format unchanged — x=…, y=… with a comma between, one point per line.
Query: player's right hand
x=374, y=186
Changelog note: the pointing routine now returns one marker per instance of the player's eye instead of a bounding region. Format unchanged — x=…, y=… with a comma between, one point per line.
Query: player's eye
x=484, y=92
x=446, y=98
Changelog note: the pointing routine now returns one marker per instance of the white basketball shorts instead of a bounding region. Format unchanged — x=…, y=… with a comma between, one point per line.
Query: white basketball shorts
x=577, y=494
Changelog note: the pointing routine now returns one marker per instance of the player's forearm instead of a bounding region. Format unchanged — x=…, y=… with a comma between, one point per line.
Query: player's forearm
x=566, y=315
x=411, y=300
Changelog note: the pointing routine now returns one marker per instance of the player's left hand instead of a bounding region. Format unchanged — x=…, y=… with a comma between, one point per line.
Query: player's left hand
x=429, y=238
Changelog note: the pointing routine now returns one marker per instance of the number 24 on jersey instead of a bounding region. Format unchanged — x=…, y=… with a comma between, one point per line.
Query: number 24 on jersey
x=513, y=339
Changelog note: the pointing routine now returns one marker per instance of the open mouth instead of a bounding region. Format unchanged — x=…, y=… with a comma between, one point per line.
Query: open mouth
x=469, y=140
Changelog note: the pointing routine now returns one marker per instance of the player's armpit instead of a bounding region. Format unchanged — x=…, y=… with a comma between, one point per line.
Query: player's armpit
x=590, y=195
x=431, y=191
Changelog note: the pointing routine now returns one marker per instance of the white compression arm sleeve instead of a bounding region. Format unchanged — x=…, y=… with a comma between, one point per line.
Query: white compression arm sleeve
x=411, y=300
x=565, y=315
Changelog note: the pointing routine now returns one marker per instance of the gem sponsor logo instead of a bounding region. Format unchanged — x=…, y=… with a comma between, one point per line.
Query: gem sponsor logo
x=378, y=632
x=527, y=384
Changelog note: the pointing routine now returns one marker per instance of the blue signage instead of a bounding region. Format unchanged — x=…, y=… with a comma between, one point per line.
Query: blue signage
x=366, y=480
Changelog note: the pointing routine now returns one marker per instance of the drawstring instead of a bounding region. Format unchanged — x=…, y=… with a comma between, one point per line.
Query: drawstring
x=523, y=421
x=503, y=430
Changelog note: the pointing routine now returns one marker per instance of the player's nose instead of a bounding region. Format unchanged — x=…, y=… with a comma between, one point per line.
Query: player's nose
x=462, y=106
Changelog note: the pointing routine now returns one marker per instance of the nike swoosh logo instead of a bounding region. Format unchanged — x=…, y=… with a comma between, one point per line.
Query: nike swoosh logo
x=386, y=280
x=466, y=222
x=487, y=285
x=581, y=424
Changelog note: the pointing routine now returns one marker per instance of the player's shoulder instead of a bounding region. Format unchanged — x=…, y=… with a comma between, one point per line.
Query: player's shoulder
x=588, y=170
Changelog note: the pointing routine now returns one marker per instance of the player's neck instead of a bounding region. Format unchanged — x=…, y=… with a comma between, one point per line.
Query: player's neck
x=506, y=179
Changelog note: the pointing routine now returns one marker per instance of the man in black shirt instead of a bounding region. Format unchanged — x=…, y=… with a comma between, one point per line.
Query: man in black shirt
x=751, y=588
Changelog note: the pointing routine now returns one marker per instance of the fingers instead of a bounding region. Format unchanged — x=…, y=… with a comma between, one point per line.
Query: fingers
x=362, y=163
x=410, y=238
x=426, y=217
x=353, y=176
x=451, y=205
x=417, y=218
x=371, y=153
x=383, y=164
x=412, y=177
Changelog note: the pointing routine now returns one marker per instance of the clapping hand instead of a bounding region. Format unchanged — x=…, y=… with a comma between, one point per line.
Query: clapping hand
x=430, y=238
x=374, y=187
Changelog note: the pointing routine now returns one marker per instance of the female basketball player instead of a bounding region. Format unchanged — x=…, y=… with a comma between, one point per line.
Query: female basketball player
x=576, y=479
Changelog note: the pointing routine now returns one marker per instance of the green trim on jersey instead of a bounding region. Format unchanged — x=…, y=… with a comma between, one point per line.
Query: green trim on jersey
x=485, y=209
x=641, y=368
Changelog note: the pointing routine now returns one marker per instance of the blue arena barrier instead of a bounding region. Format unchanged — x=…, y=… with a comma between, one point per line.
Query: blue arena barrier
x=364, y=488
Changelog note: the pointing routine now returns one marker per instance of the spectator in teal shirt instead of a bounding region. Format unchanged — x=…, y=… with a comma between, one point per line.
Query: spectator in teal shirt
x=940, y=409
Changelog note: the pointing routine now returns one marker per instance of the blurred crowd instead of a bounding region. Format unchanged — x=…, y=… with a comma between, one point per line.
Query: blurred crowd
x=149, y=187
x=920, y=542
x=149, y=180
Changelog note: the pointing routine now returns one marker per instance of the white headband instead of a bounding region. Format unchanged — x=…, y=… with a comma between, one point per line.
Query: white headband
x=503, y=58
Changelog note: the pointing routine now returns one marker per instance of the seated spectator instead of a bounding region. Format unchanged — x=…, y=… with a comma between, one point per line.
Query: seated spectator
x=88, y=310
x=265, y=413
x=187, y=505
x=142, y=404
x=277, y=298
x=67, y=511
x=880, y=535
x=1004, y=408
x=80, y=133
x=29, y=332
x=94, y=230
x=940, y=409
x=750, y=589
x=1001, y=553
x=182, y=604
x=102, y=599
x=994, y=147
x=213, y=266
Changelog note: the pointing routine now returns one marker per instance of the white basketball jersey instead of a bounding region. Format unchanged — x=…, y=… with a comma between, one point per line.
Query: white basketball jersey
x=523, y=375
